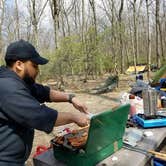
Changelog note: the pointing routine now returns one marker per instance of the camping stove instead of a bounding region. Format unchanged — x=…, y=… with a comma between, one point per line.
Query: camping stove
x=151, y=120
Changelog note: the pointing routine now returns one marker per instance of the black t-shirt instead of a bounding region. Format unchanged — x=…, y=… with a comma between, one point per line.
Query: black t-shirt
x=21, y=111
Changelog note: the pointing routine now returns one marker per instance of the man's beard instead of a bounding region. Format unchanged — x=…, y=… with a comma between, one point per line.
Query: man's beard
x=28, y=79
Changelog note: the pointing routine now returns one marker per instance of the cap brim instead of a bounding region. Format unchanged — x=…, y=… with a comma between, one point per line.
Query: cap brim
x=39, y=60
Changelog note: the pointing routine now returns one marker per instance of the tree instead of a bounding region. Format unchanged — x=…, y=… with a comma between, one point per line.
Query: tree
x=120, y=36
x=135, y=32
x=164, y=27
x=92, y=4
x=157, y=33
x=148, y=40
x=17, y=20
x=110, y=11
x=36, y=9
x=2, y=12
x=55, y=11
x=99, y=36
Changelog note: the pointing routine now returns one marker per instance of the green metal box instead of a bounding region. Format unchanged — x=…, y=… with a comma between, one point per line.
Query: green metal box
x=104, y=138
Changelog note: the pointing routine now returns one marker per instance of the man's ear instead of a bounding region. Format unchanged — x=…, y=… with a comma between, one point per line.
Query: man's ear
x=19, y=65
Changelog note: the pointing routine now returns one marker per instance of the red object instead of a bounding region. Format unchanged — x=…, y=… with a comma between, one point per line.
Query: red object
x=131, y=97
x=40, y=150
x=132, y=110
x=67, y=130
x=132, y=105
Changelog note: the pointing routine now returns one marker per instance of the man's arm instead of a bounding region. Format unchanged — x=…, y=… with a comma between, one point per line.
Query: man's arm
x=69, y=117
x=56, y=96
x=24, y=109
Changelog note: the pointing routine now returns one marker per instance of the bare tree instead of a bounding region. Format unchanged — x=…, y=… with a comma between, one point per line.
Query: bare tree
x=134, y=38
x=36, y=9
x=161, y=36
x=55, y=11
x=66, y=11
x=17, y=20
x=120, y=36
x=76, y=17
x=164, y=24
x=92, y=4
x=2, y=12
x=135, y=32
x=101, y=35
x=148, y=40
x=83, y=20
x=110, y=10
x=157, y=33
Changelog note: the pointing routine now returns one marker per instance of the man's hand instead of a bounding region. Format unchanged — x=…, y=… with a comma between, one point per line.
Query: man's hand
x=69, y=117
x=81, y=119
x=79, y=106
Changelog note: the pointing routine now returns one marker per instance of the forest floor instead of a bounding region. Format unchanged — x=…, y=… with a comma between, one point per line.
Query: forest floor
x=95, y=103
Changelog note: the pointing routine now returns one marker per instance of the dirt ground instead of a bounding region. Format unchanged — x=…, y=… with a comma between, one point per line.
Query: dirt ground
x=95, y=104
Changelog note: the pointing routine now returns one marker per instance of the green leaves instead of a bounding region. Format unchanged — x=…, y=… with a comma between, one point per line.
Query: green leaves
x=159, y=74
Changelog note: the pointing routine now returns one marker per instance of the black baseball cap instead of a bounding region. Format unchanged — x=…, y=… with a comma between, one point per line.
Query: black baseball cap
x=23, y=50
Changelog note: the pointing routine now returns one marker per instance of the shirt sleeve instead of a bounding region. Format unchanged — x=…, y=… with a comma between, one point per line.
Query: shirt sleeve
x=40, y=92
x=25, y=110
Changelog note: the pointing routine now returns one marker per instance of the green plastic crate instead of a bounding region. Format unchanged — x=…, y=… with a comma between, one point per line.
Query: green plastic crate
x=104, y=138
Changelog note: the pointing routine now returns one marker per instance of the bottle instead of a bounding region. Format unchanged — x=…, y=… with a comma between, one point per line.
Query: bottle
x=132, y=105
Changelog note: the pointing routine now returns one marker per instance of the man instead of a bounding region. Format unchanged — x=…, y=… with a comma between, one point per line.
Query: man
x=21, y=110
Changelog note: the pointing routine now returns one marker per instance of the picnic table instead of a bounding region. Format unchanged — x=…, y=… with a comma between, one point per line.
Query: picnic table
x=123, y=157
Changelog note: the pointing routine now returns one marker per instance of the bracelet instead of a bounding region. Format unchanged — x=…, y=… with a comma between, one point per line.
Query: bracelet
x=71, y=97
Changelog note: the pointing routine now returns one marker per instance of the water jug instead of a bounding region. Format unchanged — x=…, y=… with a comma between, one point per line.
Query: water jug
x=150, y=97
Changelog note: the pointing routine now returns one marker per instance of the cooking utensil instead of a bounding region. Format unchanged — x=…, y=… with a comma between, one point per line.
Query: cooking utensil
x=150, y=96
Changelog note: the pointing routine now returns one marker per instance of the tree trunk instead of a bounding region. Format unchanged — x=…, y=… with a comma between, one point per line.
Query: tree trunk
x=17, y=20
x=148, y=41
x=94, y=22
x=92, y=3
x=2, y=7
x=36, y=10
x=75, y=17
x=161, y=42
x=157, y=33
x=83, y=40
x=109, y=9
x=55, y=10
x=164, y=23
x=120, y=36
x=34, y=23
x=135, y=33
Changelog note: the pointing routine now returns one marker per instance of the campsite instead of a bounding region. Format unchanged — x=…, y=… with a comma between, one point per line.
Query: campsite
x=83, y=82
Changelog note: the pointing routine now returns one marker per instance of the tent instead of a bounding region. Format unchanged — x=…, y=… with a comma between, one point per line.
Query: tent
x=139, y=69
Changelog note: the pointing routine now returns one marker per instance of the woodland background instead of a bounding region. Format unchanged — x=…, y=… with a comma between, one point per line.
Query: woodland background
x=87, y=38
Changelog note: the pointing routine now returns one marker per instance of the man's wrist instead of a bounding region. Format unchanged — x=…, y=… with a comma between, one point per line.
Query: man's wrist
x=70, y=97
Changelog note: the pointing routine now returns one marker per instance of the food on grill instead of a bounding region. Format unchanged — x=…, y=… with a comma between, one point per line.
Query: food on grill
x=78, y=141
x=75, y=139
x=59, y=140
